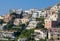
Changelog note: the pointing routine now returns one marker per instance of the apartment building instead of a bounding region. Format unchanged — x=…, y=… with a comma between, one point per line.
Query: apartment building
x=19, y=21
x=35, y=15
x=38, y=34
x=19, y=11
x=48, y=23
x=7, y=18
x=54, y=34
x=31, y=25
x=53, y=17
x=43, y=13
x=5, y=35
x=2, y=17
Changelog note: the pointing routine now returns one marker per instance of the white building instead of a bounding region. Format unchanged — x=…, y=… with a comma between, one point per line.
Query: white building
x=32, y=24
x=19, y=21
x=22, y=39
x=4, y=34
x=38, y=34
x=19, y=11
x=1, y=17
x=39, y=14
x=35, y=15
x=12, y=11
x=43, y=13
x=8, y=34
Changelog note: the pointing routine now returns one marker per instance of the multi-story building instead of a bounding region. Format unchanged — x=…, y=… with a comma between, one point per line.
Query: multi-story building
x=31, y=25
x=19, y=21
x=35, y=15
x=5, y=35
x=7, y=18
x=43, y=13
x=2, y=17
x=38, y=34
x=53, y=17
x=47, y=23
x=54, y=34
x=19, y=11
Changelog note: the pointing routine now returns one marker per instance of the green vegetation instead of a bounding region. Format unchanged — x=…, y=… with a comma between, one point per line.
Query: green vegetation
x=40, y=25
x=1, y=21
x=26, y=33
x=42, y=40
x=9, y=26
x=40, y=19
x=16, y=39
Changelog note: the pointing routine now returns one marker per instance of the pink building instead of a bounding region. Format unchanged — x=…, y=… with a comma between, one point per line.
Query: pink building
x=7, y=18
x=49, y=24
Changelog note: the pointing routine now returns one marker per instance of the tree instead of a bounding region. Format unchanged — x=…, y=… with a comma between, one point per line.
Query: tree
x=26, y=33
x=40, y=25
x=40, y=19
x=1, y=21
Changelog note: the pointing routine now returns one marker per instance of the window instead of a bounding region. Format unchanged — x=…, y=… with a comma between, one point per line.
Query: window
x=55, y=15
x=51, y=34
x=58, y=34
x=57, y=38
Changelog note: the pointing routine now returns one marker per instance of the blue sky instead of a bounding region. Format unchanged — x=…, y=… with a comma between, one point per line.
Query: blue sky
x=5, y=5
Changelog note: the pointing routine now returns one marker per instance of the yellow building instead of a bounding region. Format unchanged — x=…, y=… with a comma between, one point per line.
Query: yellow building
x=19, y=21
x=1, y=17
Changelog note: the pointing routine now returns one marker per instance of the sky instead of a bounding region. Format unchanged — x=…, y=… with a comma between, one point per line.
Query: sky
x=6, y=5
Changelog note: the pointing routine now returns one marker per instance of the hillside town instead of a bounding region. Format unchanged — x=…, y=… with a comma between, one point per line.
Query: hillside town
x=31, y=25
